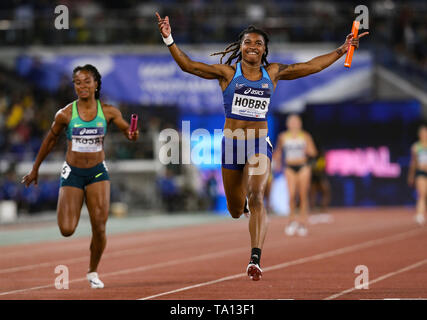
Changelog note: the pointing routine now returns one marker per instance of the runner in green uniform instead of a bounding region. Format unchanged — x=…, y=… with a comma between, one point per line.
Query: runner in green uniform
x=84, y=175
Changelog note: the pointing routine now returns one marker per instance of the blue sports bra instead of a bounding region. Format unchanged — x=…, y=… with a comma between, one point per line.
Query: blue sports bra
x=248, y=100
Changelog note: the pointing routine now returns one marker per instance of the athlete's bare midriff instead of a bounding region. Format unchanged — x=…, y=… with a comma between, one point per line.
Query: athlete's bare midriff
x=83, y=159
x=296, y=162
x=250, y=129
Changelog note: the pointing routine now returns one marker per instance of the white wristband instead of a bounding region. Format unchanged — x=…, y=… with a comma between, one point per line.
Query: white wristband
x=169, y=40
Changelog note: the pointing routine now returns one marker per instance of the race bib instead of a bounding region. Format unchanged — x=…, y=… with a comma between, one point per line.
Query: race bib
x=250, y=102
x=294, y=149
x=87, y=139
x=65, y=172
x=422, y=157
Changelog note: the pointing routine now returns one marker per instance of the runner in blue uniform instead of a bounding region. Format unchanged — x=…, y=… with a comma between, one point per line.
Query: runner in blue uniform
x=247, y=85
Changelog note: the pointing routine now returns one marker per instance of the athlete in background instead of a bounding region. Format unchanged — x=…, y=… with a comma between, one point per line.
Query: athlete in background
x=417, y=174
x=294, y=148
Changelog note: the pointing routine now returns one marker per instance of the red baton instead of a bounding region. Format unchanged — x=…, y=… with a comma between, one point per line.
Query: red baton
x=133, y=122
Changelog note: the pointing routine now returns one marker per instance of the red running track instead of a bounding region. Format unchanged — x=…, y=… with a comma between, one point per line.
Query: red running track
x=208, y=262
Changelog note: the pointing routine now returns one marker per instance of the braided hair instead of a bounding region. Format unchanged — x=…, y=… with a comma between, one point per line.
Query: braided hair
x=95, y=73
x=234, y=47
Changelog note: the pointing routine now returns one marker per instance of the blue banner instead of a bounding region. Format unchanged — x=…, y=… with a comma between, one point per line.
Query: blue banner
x=155, y=79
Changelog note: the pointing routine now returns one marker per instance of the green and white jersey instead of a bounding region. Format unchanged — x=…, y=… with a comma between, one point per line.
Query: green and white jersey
x=87, y=136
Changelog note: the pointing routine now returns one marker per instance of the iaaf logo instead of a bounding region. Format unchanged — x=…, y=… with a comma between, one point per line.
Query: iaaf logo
x=88, y=131
x=253, y=91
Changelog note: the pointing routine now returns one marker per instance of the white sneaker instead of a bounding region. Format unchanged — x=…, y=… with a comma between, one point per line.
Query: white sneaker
x=291, y=228
x=94, y=281
x=420, y=219
x=302, y=231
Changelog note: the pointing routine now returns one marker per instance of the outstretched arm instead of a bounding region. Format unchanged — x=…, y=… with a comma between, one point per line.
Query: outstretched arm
x=298, y=70
x=48, y=143
x=203, y=70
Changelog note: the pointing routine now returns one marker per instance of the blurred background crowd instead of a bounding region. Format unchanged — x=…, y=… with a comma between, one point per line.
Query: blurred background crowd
x=400, y=29
x=397, y=41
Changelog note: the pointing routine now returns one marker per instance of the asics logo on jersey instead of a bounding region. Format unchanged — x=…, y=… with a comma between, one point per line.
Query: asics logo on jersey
x=88, y=131
x=253, y=91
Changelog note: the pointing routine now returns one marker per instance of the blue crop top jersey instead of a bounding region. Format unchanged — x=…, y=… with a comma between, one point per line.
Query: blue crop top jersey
x=248, y=100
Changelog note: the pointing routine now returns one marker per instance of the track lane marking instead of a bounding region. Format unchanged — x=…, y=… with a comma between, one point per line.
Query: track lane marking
x=383, y=277
x=369, y=243
x=315, y=257
x=138, y=269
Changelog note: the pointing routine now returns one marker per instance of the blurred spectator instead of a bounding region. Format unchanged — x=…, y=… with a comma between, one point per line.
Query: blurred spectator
x=192, y=188
x=9, y=190
x=212, y=190
x=169, y=190
x=320, y=189
x=399, y=25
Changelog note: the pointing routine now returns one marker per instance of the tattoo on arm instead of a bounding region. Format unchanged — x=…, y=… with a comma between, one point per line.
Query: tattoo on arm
x=289, y=67
x=199, y=73
x=182, y=54
x=339, y=51
x=283, y=67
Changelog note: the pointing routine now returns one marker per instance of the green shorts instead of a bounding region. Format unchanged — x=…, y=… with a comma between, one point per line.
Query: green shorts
x=80, y=178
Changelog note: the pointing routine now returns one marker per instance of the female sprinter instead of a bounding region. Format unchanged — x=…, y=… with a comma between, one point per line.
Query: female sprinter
x=418, y=173
x=247, y=85
x=295, y=146
x=84, y=175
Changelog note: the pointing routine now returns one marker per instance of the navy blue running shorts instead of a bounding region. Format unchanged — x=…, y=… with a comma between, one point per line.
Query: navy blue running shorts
x=81, y=177
x=235, y=153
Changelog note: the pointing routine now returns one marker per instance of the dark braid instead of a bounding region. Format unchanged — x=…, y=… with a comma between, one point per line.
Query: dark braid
x=234, y=48
x=96, y=76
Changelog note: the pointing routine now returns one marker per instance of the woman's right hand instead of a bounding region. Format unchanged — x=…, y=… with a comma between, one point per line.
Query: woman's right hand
x=164, y=26
x=33, y=175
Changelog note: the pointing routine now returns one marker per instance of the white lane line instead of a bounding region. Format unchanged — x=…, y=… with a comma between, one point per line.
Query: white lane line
x=221, y=253
x=148, y=267
x=319, y=218
x=42, y=265
x=62, y=244
x=327, y=254
x=139, y=269
x=383, y=277
x=115, y=253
